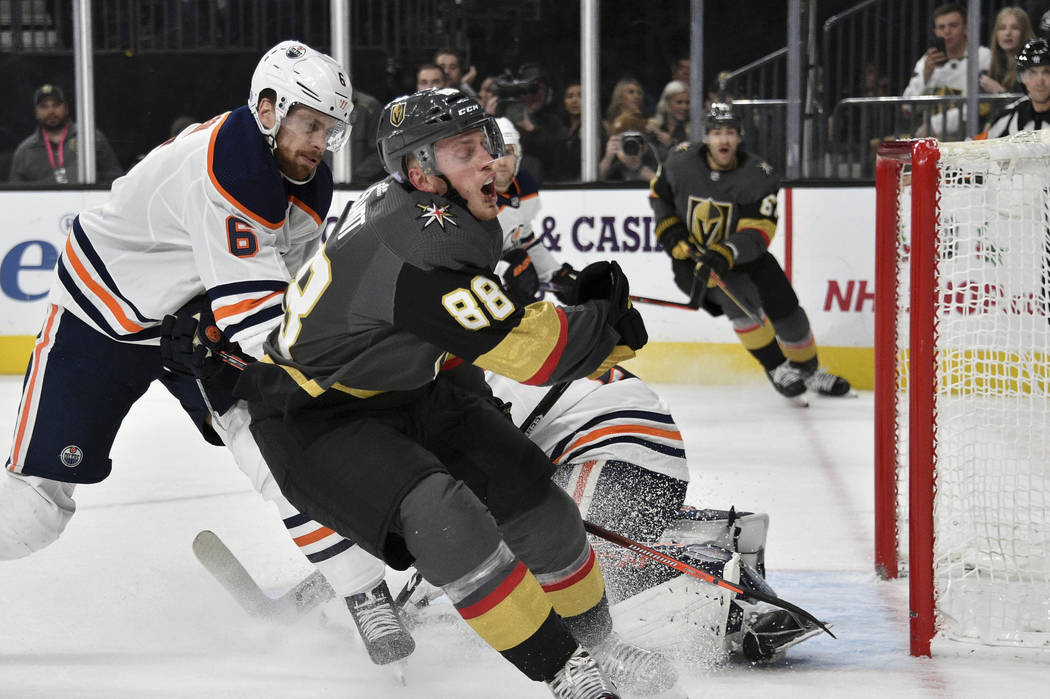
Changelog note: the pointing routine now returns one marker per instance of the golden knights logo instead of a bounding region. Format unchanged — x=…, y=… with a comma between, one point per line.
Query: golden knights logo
x=397, y=114
x=709, y=220
x=432, y=213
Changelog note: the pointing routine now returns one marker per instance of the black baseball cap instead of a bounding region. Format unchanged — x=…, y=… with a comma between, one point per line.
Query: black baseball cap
x=48, y=90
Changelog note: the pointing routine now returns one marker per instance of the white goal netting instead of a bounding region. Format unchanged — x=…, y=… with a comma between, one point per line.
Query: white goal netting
x=992, y=416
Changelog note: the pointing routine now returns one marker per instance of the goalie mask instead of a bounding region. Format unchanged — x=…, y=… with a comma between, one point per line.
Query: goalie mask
x=412, y=124
x=296, y=74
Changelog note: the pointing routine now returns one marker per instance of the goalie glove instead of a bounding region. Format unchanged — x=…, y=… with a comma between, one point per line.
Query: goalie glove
x=192, y=344
x=520, y=280
x=674, y=238
x=563, y=282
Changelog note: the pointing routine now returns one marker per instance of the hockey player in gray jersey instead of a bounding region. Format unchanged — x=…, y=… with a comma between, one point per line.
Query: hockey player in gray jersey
x=715, y=206
x=364, y=435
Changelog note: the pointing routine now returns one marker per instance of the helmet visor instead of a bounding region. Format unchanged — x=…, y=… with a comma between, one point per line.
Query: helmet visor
x=310, y=123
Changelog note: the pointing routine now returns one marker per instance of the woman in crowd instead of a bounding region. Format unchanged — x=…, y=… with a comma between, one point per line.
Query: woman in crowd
x=670, y=125
x=1010, y=31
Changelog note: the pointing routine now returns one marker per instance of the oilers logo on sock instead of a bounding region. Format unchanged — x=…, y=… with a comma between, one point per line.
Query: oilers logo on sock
x=71, y=456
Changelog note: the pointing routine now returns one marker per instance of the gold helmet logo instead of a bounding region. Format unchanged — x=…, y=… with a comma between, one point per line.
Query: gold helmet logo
x=397, y=114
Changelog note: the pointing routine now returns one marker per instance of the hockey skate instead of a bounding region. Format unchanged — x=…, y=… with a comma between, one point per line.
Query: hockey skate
x=788, y=380
x=382, y=631
x=633, y=668
x=825, y=383
x=580, y=678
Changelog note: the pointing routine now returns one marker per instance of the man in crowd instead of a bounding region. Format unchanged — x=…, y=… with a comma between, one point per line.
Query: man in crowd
x=223, y=213
x=448, y=60
x=49, y=155
x=1032, y=111
x=429, y=75
x=715, y=210
x=942, y=69
x=363, y=432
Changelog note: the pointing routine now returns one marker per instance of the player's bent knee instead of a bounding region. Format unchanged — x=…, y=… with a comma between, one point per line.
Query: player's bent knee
x=33, y=513
x=548, y=536
x=447, y=528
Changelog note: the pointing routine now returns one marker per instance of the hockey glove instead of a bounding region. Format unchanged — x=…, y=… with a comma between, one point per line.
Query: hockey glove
x=563, y=282
x=674, y=238
x=605, y=280
x=520, y=280
x=719, y=258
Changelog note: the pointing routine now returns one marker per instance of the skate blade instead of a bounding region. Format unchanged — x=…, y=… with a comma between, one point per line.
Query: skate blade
x=779, y=652
x=799, y=401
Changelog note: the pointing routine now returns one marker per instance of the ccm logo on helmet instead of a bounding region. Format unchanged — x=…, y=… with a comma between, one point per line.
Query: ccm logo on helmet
x=468, y=109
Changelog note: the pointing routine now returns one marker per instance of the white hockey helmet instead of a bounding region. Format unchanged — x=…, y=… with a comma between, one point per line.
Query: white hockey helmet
x=511, y=137
x=297, y=74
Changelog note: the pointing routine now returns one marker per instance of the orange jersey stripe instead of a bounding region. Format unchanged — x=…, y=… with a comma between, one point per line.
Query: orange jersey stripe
x=316, y=535
x=45, y=339
x=226, y=195
x=98, y=290
x=305, y=207
x=243, y=306
x=620, y=429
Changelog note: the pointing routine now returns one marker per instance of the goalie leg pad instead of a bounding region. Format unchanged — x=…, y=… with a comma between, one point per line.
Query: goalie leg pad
x=683, y=618
x=743, y=532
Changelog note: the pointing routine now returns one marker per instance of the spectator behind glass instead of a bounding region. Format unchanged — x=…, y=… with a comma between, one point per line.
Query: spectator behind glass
x=49, y=154
x=485, y=93
x=940, y=72
x=429, y=75
x=627, y=97
x=670, y=125
x=680, y=69
x=629, y=156
x=451, y=61
x=364, y=158
x=572, y=110
x=1010, y=31
x=542, y=132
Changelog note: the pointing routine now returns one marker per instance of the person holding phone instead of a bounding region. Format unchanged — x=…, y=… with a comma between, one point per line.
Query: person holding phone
x=942, y=69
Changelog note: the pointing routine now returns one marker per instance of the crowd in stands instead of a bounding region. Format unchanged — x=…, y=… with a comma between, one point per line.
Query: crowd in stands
x=640, y=124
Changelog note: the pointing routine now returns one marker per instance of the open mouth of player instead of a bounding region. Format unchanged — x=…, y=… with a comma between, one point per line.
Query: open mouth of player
x=489, y=189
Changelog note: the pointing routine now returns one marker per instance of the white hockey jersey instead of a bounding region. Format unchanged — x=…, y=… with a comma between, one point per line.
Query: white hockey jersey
x=518, y=208
x=207, y=211
x=616, y=418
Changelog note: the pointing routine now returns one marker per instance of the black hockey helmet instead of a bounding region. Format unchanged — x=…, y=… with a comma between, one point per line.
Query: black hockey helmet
x=412, y=124
x=721, y=114
x=1035, y=53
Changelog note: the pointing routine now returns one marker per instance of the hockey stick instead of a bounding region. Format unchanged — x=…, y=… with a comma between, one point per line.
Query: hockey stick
x=548, y=286
x=217, y=558
x=543, y=407
x=687, y=569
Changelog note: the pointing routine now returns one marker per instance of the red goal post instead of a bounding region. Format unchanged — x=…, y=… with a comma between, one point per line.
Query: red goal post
x=962, y=426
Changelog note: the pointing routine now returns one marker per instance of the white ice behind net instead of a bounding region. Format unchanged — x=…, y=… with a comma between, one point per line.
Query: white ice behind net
x=992, y=507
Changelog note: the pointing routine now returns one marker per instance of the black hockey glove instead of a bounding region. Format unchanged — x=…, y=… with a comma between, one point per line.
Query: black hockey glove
x=674, y=238
x=719, y=259
x=520, y=280
x=563, y=282
x=605, y=280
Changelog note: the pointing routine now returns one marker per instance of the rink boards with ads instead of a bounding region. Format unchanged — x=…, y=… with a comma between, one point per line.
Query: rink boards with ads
x=825, y=241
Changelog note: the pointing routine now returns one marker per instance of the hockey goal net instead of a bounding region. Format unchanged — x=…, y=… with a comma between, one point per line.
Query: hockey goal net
x=962, y=381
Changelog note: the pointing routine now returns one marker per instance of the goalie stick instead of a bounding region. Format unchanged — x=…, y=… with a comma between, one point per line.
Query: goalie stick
x=218, y=560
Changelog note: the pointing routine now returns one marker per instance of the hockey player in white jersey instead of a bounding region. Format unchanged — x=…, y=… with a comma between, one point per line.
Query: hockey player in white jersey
x=621, y=457
x=226, y=210
x=526, y=263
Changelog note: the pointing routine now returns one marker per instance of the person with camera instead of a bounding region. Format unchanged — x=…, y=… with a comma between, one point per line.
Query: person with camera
x=629, y=157
x=942, y=69
x=524, y=97
x=715, y=212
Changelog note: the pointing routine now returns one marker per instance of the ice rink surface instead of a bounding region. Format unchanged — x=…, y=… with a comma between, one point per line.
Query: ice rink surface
x=119, y=607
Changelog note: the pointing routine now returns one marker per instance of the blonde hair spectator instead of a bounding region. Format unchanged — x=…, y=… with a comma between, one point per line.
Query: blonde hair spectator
x=1010, y=31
